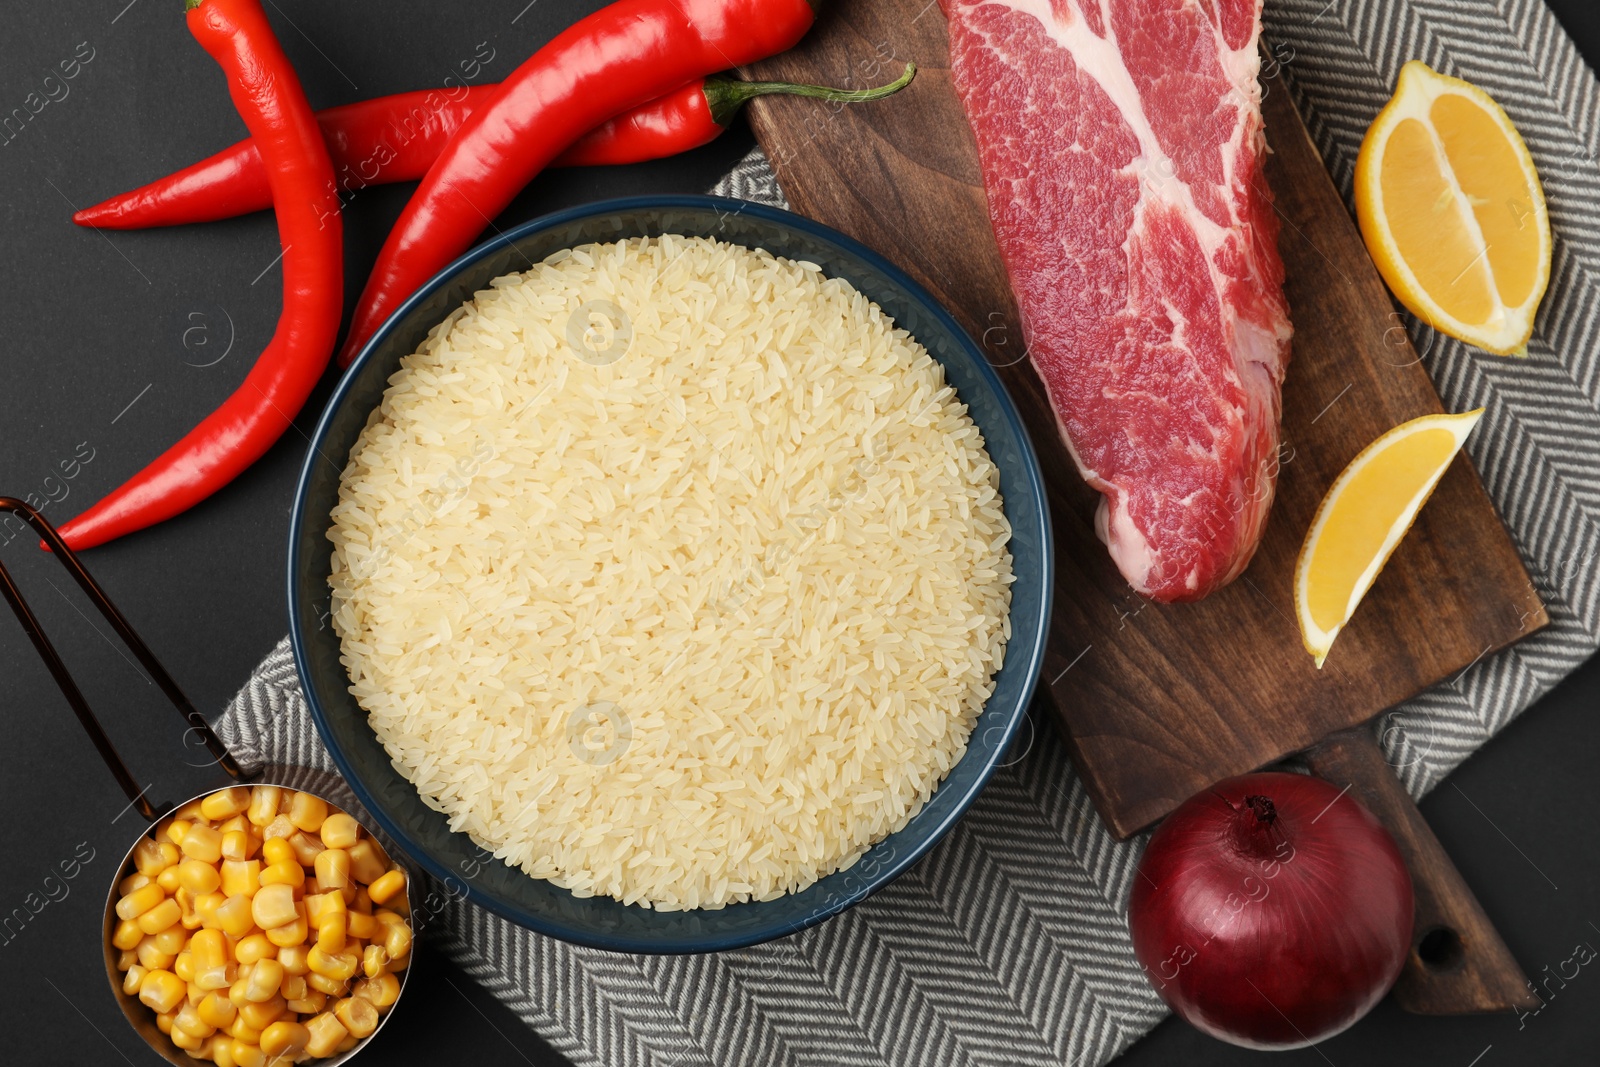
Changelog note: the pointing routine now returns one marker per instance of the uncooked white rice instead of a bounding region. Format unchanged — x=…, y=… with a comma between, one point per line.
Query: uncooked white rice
x=684, y=612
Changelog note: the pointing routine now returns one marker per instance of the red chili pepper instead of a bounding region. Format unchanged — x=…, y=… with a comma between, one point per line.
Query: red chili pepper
x=371, y=142
x=616, y=59
x=396, y=139
x=268, y=97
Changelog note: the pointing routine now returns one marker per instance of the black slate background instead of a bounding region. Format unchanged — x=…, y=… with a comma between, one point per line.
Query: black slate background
x=114, y=344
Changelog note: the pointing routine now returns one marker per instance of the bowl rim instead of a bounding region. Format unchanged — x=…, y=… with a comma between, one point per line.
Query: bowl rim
x=1033, y=486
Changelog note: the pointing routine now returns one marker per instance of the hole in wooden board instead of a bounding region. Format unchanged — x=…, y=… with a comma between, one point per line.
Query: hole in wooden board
x=1440, y=949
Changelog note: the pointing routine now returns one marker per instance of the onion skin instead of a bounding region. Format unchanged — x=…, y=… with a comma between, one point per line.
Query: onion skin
x=1271, y=912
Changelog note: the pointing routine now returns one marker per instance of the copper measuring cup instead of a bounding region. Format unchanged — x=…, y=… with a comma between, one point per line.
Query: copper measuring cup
x=140, y=1017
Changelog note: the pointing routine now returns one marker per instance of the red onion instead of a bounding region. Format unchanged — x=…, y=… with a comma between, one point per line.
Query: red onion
x=1271, y=911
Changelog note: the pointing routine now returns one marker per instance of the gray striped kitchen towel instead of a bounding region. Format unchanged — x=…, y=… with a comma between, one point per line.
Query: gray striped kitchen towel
x=1007, y=944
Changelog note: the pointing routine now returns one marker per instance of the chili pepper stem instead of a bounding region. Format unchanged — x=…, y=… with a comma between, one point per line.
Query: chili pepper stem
x=725, y=95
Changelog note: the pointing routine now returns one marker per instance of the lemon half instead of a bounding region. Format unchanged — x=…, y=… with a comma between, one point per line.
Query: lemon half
x=1452, y=212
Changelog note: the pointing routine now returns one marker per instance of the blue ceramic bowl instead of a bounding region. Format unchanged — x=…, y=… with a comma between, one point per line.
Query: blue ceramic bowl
x=542, y=906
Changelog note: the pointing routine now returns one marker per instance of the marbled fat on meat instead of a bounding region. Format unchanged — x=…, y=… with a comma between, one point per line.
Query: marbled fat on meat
x=1121, y=145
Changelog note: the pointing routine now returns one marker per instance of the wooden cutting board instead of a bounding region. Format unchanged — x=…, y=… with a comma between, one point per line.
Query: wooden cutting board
x=1156, y=702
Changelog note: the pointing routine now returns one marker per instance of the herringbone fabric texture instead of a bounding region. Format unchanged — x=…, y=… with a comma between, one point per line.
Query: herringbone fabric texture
x=1006, y=945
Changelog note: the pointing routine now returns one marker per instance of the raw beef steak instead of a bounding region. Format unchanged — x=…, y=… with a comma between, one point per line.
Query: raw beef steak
x=1121, y=145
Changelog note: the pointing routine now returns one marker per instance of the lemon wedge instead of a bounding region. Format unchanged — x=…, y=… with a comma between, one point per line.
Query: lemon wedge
x=1362, y=518
x=1452, y=212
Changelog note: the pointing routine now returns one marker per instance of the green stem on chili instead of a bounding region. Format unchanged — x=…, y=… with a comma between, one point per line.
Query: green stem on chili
x=725, y=96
